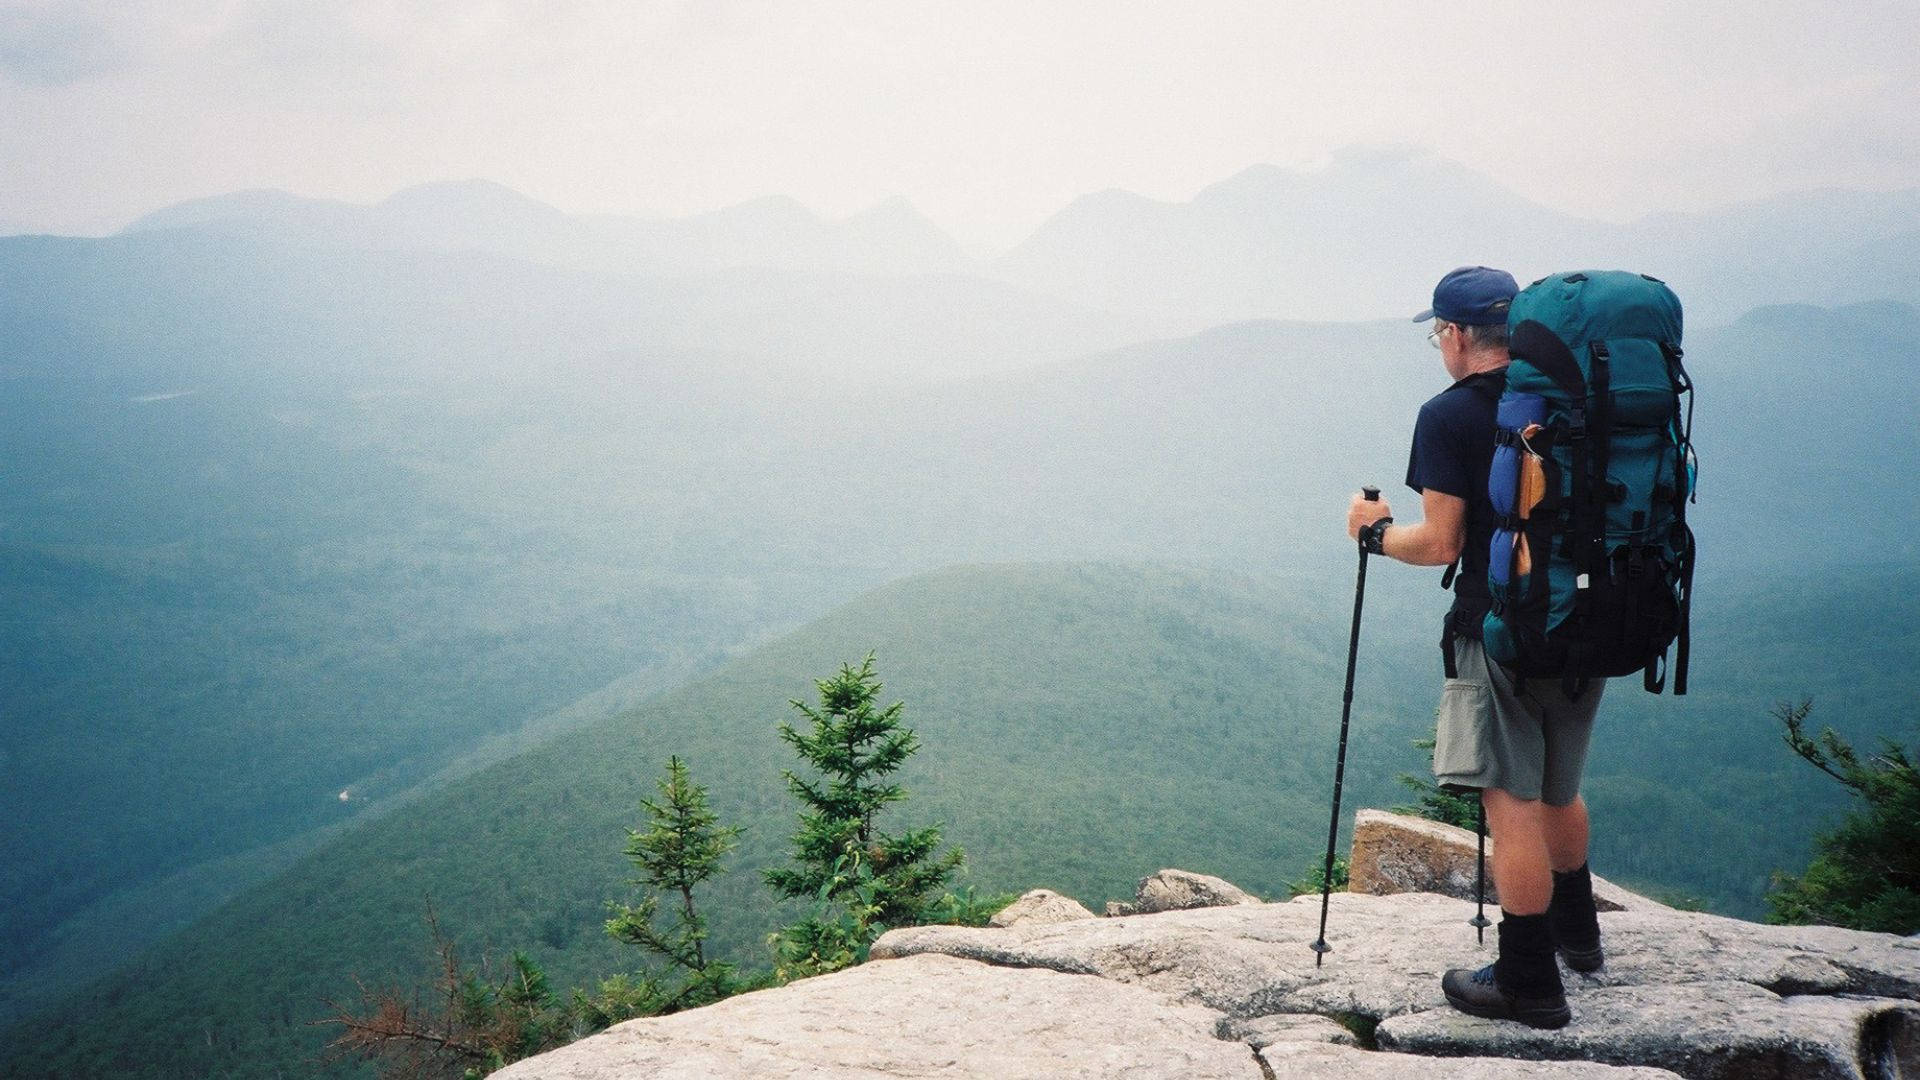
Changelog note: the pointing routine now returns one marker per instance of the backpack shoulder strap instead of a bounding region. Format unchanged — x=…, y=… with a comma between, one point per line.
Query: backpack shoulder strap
x=1541, y=347
x=1488, y=384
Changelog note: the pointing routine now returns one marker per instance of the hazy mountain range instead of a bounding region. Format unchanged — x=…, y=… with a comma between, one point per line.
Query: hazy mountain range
x=309, y=500
x=478, y=215
x=1352, y=240
x=1357, y=238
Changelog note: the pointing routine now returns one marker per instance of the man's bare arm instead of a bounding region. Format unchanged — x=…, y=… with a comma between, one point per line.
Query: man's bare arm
x=1435, y=541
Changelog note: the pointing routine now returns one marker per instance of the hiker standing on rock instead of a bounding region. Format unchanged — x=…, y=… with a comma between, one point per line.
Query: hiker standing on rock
x=1522, y=743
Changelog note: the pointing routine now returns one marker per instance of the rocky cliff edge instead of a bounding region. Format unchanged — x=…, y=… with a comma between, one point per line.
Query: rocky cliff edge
x=1231, y=990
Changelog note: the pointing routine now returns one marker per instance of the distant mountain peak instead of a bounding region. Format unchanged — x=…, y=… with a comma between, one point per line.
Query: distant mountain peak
x=247, y=203
x=471, y=195
x=894, y=213
x=1371, y=166
x=1889, y=312
x=1115, y=196
x=472, y=184
x=784, y=209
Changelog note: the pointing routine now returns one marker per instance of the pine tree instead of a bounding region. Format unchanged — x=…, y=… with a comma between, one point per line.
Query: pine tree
x=1866, y=873
x=861, y=880
x=1437, y=803
x=681, y=848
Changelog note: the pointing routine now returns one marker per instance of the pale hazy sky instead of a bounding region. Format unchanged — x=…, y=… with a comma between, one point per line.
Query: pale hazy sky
x=988, y=115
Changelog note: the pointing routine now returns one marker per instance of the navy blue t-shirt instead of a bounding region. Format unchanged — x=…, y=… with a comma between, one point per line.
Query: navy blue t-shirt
x=1452, y=454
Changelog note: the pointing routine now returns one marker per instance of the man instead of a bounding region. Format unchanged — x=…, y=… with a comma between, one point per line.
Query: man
x=1521, y=743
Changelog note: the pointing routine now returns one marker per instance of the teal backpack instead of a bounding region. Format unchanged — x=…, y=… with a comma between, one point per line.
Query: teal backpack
x=1591, y=569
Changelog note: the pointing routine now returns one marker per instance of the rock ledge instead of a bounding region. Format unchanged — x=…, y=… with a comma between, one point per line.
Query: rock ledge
x=1232, y=990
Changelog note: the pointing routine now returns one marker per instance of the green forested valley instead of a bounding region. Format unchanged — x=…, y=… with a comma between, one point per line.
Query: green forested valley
x=1084, y=724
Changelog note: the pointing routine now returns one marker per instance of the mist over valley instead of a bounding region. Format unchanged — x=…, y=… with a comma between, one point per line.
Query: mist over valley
x=355, y=553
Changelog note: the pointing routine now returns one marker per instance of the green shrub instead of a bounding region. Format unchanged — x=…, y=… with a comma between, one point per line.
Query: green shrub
x=1865, y=874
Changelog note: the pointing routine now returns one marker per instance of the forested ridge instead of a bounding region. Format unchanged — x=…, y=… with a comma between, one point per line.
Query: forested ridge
x=1082, y=726
x=288, y=524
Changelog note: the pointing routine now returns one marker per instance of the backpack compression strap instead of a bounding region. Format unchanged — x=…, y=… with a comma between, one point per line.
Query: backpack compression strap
x=1541, y=347
x=1686, y=618
x=1589, y=506
x=1682, y=492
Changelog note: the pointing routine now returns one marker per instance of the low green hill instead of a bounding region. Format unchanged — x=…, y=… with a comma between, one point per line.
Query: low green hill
x=1082, y=725
x=283, y=525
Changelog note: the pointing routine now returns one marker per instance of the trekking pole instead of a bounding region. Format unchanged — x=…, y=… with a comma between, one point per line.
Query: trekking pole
x=1320, y=947
x=1480, y=922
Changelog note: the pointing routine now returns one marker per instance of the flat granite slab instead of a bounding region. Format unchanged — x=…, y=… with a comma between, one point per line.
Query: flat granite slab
x=937, y=1016
x=1234, y=991
x=928, y=1016
x=1708, y=997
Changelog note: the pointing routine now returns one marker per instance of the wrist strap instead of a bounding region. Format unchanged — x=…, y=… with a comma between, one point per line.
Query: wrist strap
x=1374, y=536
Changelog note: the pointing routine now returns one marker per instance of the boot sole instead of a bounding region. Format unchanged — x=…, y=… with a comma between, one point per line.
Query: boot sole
x=1548, y=1017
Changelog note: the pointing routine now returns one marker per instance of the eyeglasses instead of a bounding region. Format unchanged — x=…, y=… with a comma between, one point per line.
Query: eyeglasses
x=1433, y=335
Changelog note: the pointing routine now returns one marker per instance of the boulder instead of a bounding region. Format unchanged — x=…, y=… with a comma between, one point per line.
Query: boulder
x=1399, y=853
x=1039, y=907
x=1181, y=890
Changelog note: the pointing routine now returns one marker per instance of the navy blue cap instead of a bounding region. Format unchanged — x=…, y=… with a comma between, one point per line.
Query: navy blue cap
x=1472, y=296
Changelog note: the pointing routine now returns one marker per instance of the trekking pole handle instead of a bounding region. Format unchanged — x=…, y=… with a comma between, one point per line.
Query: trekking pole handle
x=1369, y=493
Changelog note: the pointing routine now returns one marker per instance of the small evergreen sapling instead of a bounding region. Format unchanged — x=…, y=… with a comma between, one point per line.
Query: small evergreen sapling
x=1314, y=876
x=1438, y=803
x=861, y=880
x=474, y=1024
x=682, y=847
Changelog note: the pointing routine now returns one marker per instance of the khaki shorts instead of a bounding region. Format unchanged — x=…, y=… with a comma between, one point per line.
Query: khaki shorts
x=1528, y=740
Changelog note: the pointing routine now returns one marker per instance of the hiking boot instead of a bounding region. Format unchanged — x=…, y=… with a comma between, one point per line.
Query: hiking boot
x=1523, y=984
x=1585, y=961
x=1477, y=993
x=1574, y=921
